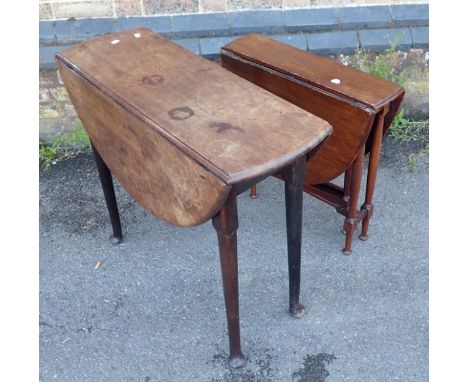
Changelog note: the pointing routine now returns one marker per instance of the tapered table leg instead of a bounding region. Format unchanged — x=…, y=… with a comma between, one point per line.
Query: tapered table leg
x=350, y=222
x=294, y=180
x=226, y=223
x=109, y=194
x=374, y=159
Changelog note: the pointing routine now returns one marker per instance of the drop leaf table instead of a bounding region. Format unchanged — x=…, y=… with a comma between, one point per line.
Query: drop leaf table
x=359, y=106
x=184, y=137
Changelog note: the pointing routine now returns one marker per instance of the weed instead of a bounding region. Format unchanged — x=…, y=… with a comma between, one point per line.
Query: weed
x=64, y=146
x=385, y=65
x=404, y=130
x=78, y=137
x=413, y=159
x=47, y=153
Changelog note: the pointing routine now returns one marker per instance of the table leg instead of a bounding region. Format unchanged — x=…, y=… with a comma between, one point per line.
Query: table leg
x=294, y=180
x=347, y=183
x=253, y=191
x=350, y=222
x=226, y=223
x=109, y=194
x=347, y=188
x=374, y=158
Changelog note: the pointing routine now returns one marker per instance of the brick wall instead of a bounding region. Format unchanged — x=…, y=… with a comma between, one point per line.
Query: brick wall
x=64, y=9
x=327, y=27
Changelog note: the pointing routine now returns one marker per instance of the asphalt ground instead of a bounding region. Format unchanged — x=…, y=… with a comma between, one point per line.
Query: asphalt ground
x=154, y=310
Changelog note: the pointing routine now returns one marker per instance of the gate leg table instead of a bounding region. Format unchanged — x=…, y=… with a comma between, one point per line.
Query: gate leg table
x=359, y=106
x=184, y=137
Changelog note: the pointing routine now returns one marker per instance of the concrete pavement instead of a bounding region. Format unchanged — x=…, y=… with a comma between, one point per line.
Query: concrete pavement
x=154, y=309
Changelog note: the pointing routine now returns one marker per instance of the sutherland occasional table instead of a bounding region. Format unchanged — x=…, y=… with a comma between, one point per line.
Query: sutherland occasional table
x=184, y=137
x=359, y=106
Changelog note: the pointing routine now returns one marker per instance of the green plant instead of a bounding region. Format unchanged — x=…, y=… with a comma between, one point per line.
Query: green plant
x=414, y=158
x=64, y=146
x=405, y=130
x=385, y=65
x=78, y=137
x=47, y=153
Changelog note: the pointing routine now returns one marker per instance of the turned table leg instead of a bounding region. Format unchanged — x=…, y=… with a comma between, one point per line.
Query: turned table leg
x=374, y=158
x=347, y=183
x=226, y=223
x=348, y=177
x=294, y=180
x=350, y=222
x=109, y=194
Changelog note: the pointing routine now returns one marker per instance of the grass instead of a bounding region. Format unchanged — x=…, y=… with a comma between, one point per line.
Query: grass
x=78, y=138
x=48, y=153
x=385, y=65
x=404, y=130
x=64, y=147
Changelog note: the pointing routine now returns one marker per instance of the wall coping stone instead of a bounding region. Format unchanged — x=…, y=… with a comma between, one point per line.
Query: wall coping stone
x=313, y=19
x=377, y=16
x=340, y=42
x=410, y=14
x=376, y=40
x=420, y=37
x=322, y=30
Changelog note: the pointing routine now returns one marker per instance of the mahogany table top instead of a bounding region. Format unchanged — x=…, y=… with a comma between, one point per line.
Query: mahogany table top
x=357, y=86
x=345, y=97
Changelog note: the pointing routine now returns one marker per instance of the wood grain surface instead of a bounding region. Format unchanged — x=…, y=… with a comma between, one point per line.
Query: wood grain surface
x=158, y=175
x=305, y=80
x=234, y=129
x=356, y=86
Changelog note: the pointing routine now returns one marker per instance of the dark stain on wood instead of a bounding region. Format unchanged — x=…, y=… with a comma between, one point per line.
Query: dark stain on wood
x=152, y=80
x=275, y=131
x=181, y=113
x=222, y=127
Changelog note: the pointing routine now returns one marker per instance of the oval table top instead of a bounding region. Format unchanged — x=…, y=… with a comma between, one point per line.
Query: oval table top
x=231, y=127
